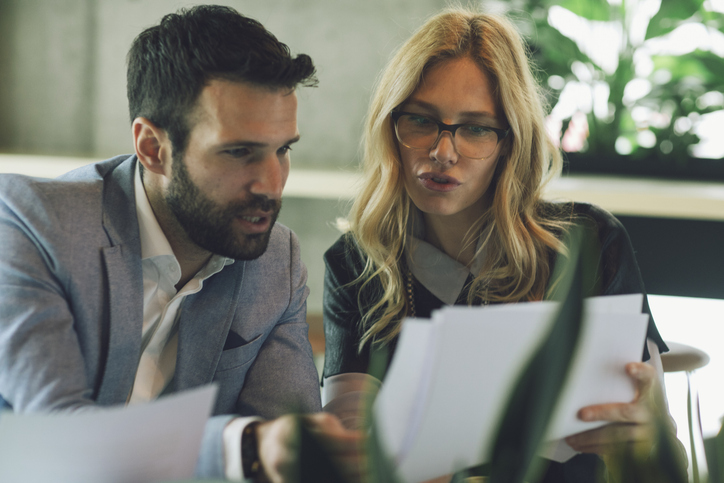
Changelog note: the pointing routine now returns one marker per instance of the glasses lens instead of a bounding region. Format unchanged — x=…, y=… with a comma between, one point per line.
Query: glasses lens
x=420, y=132
x=475, y=141
x=416, y=131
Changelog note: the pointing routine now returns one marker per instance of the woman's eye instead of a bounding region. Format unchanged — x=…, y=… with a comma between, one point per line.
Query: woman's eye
x=476, y=130
x=419, y=120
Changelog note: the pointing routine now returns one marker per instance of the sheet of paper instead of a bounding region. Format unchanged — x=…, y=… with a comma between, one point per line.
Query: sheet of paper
x=619, y=304
x=157, y=441
x=402, y=412
x=598, y=375
x=557, y=450
x=458, y=377
x=474, y=360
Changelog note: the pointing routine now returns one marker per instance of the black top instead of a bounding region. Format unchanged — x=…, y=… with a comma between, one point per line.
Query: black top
x=618, y=274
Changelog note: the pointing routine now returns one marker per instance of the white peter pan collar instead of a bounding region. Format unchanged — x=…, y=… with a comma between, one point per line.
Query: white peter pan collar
x=442, y=275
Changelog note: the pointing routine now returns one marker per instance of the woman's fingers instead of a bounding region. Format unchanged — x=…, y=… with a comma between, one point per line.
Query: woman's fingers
x=602, y=440
x=635, y=412
x=645, y=378
x=632, y=422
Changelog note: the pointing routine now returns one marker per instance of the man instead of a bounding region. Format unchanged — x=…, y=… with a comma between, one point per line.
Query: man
x=150, y=274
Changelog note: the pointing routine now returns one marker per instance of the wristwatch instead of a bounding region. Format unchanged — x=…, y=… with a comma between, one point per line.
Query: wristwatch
x=250, y=463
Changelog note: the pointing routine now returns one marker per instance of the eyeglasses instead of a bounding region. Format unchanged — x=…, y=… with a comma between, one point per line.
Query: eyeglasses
x=472, y=140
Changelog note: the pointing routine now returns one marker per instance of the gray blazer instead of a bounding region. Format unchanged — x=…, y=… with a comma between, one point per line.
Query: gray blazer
x=71, y=309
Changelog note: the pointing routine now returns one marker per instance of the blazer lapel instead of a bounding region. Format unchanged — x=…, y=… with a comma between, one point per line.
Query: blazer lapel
x=204, y=322
x=125, y=324
x=125, y=284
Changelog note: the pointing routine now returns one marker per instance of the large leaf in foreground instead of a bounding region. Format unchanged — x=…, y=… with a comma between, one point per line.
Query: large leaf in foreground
x=535, y=394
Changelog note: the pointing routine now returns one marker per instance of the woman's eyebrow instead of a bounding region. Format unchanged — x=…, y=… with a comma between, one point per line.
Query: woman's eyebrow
x=466, y=114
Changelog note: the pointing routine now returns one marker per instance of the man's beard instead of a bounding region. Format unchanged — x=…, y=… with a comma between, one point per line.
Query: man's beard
x=209, y=225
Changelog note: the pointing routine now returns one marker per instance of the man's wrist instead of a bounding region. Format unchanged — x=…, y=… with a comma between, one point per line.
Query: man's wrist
x=250, y=462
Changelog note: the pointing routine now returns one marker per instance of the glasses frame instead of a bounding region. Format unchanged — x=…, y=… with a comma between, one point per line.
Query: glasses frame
x=442, y=127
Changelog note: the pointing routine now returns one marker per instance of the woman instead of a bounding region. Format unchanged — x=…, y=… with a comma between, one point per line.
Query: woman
x=455, y=158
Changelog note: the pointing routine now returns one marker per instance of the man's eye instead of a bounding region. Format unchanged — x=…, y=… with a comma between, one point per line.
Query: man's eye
x=284, y=150
x=238, y=152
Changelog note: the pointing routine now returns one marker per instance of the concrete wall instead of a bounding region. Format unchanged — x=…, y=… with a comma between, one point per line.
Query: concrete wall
x=62, y=68
x=63, y=89
x=47, y=63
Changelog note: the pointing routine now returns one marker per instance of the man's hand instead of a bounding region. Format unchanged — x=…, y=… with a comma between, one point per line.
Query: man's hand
x=633, y=423
x=279, y=446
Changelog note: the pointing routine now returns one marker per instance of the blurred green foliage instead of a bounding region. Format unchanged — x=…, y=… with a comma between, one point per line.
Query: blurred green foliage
x=677, y=85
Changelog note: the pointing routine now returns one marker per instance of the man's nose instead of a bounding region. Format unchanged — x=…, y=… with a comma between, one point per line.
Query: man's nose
x=270, y=178
x=443, y=151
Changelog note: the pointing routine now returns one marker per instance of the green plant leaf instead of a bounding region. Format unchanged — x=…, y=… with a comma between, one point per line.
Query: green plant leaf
x=714, y=449
x=590, y=9
x=711, y=63
x=668, y=455
x=670, y=15
x=558, y=60
x=535, y=394
x=315, y=464
x=682, y=66
x=665, y=463
x=380, y=469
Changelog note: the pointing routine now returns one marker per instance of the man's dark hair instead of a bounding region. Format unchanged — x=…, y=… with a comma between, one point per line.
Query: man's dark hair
x=170, y=63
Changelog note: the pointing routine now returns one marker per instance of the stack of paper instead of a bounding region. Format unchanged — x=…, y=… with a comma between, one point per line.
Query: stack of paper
x=451, y=376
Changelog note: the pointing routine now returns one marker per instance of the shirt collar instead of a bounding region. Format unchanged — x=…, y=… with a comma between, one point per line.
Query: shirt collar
x=153, y=241
x=441, y=274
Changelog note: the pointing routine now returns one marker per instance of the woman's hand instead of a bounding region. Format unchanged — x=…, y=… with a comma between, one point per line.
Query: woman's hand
x=633, y=424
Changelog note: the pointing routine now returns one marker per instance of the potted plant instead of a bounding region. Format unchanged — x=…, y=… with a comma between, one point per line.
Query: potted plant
x=626, y=96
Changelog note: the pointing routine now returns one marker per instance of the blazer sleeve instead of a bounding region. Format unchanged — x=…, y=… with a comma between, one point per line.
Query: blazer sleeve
x=282, y=379
x=42, y=367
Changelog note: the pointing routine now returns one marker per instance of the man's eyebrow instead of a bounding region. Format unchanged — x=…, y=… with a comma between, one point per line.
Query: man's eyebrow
x=254, y=144
x=241, y=144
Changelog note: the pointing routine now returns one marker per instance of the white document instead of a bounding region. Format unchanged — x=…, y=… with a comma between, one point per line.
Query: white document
x=157, y=441
x=451, y=376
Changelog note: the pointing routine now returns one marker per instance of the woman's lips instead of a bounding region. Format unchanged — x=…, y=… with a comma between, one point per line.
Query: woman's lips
x=438, y=182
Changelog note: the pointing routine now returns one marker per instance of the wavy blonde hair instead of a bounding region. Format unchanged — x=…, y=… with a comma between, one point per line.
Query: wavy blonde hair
x=522, y=235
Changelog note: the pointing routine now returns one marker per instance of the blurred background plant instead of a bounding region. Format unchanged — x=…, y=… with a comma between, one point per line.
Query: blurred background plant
x=642, y=78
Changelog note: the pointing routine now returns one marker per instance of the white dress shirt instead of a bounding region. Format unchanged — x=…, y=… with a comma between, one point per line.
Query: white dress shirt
x=161, y=303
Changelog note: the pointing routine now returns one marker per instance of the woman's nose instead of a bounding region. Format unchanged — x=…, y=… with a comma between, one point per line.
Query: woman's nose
x=443, y=151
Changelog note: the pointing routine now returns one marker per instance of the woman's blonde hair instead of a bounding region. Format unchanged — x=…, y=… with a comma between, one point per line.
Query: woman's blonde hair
x=521, y=236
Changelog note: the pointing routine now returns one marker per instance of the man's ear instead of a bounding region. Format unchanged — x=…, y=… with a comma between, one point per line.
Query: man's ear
x=153, y=147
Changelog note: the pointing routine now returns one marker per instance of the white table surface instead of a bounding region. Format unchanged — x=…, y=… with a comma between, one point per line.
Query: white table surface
x=699, y=323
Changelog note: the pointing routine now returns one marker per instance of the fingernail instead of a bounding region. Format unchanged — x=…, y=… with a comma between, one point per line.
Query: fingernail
x=586, y=414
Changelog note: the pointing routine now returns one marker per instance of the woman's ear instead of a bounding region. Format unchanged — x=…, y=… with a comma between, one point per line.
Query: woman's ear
x=152, y=145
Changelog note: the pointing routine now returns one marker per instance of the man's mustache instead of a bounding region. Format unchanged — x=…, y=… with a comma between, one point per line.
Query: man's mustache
x=256, y=202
